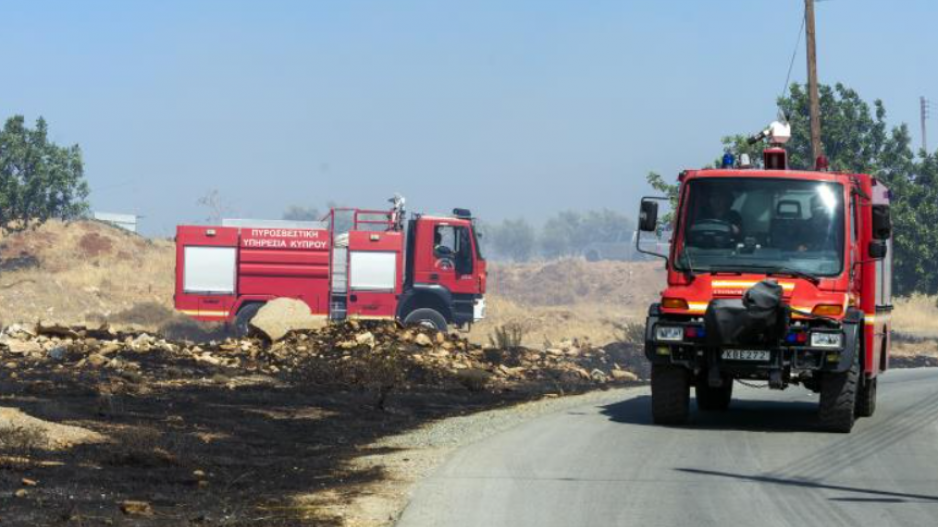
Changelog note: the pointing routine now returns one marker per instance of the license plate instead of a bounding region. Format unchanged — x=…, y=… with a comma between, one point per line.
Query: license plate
x=747, y=355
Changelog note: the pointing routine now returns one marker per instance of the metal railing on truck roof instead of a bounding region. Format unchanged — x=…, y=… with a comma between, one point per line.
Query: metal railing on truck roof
x=364, y=217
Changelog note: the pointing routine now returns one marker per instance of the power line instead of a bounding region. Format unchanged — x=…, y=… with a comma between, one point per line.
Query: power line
x=794, y=55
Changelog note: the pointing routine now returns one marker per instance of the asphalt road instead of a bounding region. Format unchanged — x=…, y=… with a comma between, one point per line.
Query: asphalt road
x=761, y=463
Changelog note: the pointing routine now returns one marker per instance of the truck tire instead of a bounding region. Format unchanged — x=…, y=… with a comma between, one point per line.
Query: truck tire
x=670, y=394
x=710, y=399
x=242, y=325
x=866, y=398
x=593, y=256
x=426, y=317
x=837, y=409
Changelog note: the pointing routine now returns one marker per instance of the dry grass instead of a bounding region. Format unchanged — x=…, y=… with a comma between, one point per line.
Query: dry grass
x=544, y=325
x=82, y=272
x=569, y=299
x=916, y=314
x=507, y=336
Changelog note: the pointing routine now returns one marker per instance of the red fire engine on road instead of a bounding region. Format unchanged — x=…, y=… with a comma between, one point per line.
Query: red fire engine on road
x=426, y=270
x=777, y=275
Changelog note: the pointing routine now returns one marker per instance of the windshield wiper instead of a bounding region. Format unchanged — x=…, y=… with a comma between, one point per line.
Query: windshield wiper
x=769, y=270
x=689, y=269
x=797, y=273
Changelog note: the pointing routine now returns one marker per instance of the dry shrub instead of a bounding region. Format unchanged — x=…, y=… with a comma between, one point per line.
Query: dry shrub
x=150, y=448
x=18, y=444
x=181, y=327
x=473, y=379
x=508, y=336
x=156, y=317
x=94, y=244
x=630, y=332
x=146, y=314
x=380, y=371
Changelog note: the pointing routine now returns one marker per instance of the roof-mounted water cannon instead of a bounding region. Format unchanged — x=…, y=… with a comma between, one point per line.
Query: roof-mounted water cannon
x=396, y=216
x=778, y=133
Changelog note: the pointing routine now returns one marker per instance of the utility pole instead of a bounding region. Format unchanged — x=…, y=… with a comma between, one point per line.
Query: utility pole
x=813, y=98
x=926, y=110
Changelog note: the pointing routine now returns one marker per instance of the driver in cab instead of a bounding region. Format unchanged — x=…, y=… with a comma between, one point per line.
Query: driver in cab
x=718, y=208
x=716, y=225
x=444, y=253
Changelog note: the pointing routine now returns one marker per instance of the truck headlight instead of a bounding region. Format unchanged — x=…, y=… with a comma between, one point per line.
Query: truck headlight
x=827, y=340
x=669, y=333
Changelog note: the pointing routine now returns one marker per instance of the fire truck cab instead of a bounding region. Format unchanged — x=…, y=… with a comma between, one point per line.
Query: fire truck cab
x=774, y=275
x=424, y=270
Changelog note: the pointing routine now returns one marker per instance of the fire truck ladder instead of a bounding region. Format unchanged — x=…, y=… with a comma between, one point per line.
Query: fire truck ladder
x=338, y=308
x=372, y=220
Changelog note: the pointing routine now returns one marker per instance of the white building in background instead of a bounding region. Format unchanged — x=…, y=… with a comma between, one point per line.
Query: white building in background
x=124, y=221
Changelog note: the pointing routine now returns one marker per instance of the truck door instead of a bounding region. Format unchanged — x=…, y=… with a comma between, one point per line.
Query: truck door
x=375, y=274
x=450, y=260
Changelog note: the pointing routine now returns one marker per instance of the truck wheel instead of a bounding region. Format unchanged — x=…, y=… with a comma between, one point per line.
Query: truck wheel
x=710, y=399
x=670, y=394
x=866, y=398
x=592, y=256
x=426, y=317
x=839, y=400
x=242, y=325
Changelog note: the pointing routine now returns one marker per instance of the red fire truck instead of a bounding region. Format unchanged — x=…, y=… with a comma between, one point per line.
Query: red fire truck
x=775, y=275
x=424, y=270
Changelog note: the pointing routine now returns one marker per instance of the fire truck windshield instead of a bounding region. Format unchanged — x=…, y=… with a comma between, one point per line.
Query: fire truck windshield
x=739, y=224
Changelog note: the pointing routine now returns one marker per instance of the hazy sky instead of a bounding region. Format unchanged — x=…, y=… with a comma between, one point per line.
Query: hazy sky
x=506, y=107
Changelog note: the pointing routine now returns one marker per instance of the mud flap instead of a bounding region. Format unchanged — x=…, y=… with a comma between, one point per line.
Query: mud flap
x=852, y=336
x=650, y=322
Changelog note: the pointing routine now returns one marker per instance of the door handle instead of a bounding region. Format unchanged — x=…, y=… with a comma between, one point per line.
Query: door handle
x=434, y=276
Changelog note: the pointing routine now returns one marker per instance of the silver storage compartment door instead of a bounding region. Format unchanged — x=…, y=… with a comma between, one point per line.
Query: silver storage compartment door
x=372, y=271
x=209, y=270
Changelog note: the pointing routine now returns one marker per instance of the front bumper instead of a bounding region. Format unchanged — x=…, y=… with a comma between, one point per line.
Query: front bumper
x=478, y=309
x=698, y=354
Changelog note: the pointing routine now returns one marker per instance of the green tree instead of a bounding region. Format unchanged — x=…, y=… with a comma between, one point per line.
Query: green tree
x=915, y=221
x=559, y=236
x=604, y=226
x=856, y=138
x=514, y=239
x=854, y=134
x=39, y=180
x=569, y=232
x=669, y=190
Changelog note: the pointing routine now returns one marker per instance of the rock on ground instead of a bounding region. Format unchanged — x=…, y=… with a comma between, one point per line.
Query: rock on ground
x=49, y=435
x=283, y=315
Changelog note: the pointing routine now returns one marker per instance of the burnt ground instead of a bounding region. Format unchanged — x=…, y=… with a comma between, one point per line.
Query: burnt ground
x=258, y=446
x=204, y=444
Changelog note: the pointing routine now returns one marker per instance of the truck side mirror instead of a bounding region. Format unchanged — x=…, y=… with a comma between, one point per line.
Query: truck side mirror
x=882, y=223
x=648, y=216
x=878, y=249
